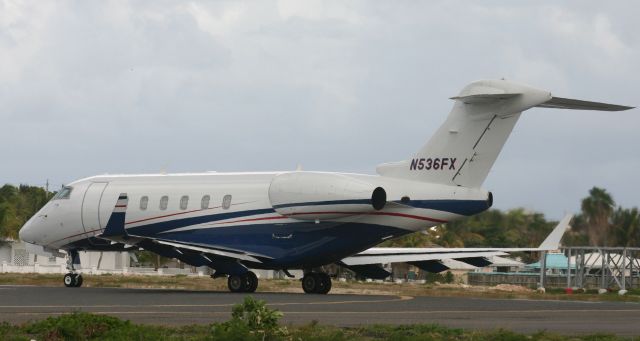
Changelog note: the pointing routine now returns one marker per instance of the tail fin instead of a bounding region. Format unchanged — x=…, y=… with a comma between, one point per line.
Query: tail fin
x=465, y=147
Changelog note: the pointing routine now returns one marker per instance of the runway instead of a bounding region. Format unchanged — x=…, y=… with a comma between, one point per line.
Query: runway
x=180, y=307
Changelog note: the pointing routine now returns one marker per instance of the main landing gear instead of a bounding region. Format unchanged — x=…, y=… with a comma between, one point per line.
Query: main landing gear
x=243, y=283
x=316, y=283
x=72, y=279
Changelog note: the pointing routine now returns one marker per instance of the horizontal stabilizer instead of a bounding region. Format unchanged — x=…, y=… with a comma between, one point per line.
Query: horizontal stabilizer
x=484, y=98
x=568, y=103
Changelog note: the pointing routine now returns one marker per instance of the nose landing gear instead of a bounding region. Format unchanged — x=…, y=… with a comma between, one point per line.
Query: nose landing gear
x=72, y=279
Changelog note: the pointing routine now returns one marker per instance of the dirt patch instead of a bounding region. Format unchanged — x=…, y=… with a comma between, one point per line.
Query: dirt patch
x=511, y=288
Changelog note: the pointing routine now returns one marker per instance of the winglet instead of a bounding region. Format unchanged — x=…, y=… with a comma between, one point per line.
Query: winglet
x=115, y=226
x=552, y=242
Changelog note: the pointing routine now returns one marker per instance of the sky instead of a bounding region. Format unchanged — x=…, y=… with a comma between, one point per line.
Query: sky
x=95, y=87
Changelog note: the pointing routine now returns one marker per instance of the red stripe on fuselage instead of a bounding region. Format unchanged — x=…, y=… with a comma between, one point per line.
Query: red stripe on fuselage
x=252, y=219
x=394, y=214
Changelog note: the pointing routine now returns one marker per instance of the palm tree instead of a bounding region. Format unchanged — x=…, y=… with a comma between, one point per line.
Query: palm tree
x=627, y=226
x=597, y=208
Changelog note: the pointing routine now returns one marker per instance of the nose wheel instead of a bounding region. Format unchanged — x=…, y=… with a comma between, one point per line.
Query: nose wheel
x=316, y=283
x=72, y=280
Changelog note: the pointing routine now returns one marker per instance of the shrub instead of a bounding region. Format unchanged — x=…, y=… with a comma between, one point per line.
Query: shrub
x=448, y=277
x=250, y=320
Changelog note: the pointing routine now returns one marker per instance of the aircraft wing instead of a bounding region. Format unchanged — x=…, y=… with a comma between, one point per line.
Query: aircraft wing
x=429, y=259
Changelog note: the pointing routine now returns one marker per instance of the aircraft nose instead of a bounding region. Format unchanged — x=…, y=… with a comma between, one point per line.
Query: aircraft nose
x=26, y=232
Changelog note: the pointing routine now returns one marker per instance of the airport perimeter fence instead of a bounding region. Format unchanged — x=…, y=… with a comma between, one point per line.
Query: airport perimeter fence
x=532, y=280
x=529, y=280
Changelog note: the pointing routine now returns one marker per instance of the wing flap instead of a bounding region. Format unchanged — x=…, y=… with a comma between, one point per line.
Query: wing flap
x=213, y=251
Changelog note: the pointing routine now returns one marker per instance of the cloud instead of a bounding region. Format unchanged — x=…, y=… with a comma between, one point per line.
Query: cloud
x=88, y=88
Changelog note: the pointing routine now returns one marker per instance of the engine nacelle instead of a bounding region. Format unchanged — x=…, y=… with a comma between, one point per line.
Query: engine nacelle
x=314, y=196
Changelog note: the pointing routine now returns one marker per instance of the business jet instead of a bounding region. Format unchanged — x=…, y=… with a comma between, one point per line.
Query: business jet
x=234, y=222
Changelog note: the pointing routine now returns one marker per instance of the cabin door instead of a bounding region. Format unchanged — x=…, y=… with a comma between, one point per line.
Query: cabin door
x=91, y=209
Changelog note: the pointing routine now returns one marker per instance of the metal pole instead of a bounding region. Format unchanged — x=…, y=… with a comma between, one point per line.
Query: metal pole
x=624, y=272
x=603, y=272
x=568, y=268
x=543, y=268
x=581, y=269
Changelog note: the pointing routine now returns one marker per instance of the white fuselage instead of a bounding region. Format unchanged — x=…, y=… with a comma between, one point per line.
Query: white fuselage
x=237, y=211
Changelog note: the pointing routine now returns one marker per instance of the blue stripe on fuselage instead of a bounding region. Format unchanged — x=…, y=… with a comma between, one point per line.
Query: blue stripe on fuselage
x=325, y=203
x=462, y=207
x=154, y=228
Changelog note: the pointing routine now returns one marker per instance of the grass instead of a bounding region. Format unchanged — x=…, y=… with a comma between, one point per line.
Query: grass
x=251, y=320
x=274, y=285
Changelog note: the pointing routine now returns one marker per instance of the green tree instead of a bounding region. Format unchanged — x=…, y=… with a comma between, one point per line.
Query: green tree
x=626, y=223
x=17, y=205
x=597, y=209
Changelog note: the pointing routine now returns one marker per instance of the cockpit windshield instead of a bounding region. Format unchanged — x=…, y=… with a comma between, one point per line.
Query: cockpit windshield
x=64, y=193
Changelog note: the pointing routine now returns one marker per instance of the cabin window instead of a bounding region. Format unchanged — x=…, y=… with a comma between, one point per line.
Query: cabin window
x=144, y=202
x=204, y=204
x=226, y=201
x=184, y=202
x=64, y=193
x=164, y=202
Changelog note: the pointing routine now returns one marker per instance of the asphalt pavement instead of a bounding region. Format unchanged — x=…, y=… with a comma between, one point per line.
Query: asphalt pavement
x=182, y=307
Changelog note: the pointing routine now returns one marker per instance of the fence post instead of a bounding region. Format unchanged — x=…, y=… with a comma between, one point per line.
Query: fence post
x=543, y=270
x=623, y=290
x=568, y=268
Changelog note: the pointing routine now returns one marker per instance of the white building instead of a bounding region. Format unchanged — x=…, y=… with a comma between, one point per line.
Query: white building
x=15, y=257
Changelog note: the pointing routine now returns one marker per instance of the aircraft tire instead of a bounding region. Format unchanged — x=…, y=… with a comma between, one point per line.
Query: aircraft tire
x=236, y=283
x=77, y=281
x=68, y=280
x=325, y=284
x=310, y=283
x=251, y=282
